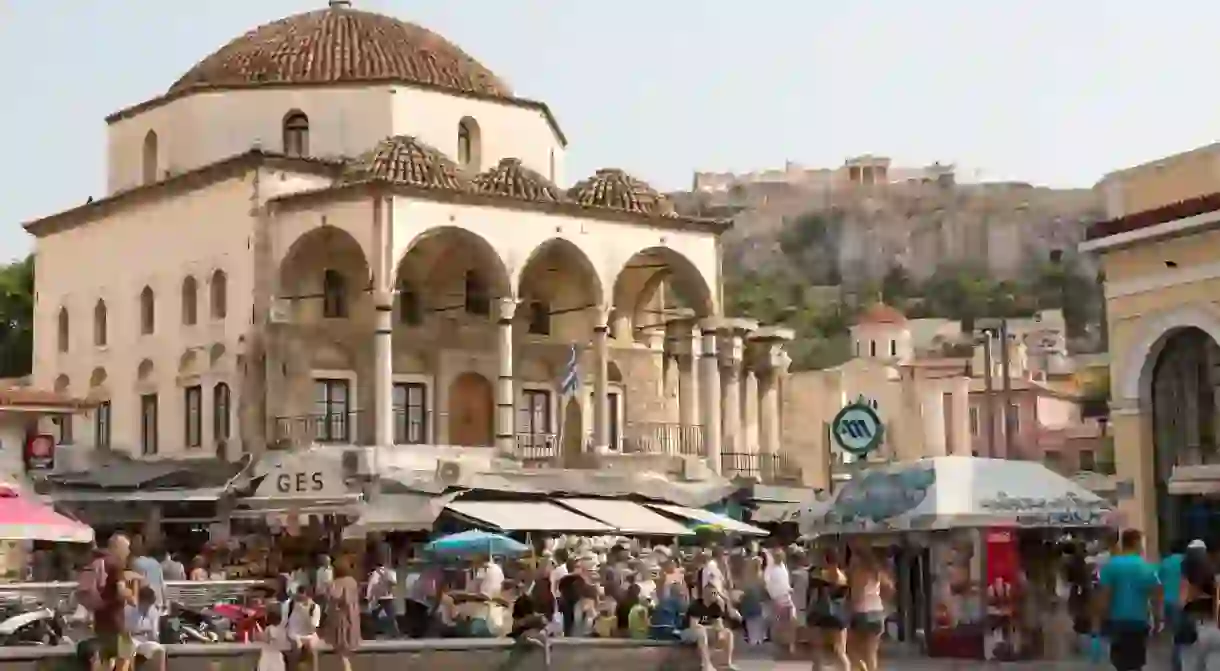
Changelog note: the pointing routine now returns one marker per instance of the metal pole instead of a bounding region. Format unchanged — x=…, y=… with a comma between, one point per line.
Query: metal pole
x=988, y=396
x=1005, y=397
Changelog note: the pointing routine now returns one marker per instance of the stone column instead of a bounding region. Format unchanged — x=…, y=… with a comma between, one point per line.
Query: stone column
x=506, y=396
x=749, y=409
x=383, y=369
x=688, y=380
x=670, y=381
x=709, y=384
x=934, y=420
x=772, y=365
x=1131, y=427
x=960, y=438
x=383, y=327
x=732, y=356
x=601, y=381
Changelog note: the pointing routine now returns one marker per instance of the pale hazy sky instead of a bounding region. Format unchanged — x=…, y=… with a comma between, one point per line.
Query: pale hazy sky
x=1053, y=92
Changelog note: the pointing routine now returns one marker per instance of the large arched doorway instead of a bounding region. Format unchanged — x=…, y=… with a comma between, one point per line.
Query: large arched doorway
x=655, y=285
x=471, y=410
x=1184, y=410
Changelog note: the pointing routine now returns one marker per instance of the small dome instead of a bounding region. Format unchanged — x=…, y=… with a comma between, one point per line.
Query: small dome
x=880, y=313
x=613, y=189
x=341, y=44
x=511, y=179
x=402, y=159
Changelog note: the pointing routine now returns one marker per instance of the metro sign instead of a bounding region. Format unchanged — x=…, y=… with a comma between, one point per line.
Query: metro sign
x=857, y=428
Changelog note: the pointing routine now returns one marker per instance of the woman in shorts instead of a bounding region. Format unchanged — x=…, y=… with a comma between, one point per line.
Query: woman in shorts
x=868, y=587
x=826, y=614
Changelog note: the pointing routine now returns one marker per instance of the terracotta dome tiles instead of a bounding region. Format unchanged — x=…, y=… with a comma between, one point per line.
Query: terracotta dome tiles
x=341, y=44
x=880, y=313
x=614, y=189
x=512, y=179
x=403, y=159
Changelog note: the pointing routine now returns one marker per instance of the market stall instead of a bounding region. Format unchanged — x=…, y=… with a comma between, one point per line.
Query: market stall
x=971, y=530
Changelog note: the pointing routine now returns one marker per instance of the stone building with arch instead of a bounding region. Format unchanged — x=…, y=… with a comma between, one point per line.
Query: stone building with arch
x=1160, y=254
x=341, y=228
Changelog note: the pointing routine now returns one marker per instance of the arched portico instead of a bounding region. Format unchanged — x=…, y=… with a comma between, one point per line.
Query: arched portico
x=1164, y=420
x=560, y=292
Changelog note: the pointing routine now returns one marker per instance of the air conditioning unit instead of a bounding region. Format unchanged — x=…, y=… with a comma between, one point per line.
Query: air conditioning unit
x=355, y=464
x=449, y=472
x=694, y=469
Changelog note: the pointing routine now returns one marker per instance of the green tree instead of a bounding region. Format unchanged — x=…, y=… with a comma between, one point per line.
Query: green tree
x=17, y=318
x=897, y=286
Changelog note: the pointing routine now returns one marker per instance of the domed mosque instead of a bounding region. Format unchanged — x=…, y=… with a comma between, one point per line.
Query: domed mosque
x=357, y=236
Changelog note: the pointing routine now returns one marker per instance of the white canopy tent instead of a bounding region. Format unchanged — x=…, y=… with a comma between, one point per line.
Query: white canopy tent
x=956, y=492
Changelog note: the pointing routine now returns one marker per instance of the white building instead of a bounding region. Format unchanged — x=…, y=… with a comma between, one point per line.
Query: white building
x=341, y=228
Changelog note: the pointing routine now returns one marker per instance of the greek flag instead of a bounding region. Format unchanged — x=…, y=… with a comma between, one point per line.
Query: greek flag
x=570, y=381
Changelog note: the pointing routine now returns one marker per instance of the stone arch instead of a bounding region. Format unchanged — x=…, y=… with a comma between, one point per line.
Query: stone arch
x=1140, y=358
x=63, y=330
x=295, y=126
x=643, y=282
x=150, y=157
x=324, y=251
x=469, y=152
x=188, y=363
x=438, y=264
x=97, y=379
x=560, y=286
x=62, y=384
x=216, y=355
x=144, y=372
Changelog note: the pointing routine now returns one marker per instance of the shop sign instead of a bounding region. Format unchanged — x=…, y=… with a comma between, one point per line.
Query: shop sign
x=40, y=452
x=857, y=428
x=304, y=478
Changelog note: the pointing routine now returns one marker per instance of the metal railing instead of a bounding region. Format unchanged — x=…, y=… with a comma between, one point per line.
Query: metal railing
x=536, y=447
x=760, y=467
x=334, y=427
x=198, y=594
x=663, y=438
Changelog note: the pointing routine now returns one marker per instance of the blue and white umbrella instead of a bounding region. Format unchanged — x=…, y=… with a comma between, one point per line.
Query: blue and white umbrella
x=469, y=543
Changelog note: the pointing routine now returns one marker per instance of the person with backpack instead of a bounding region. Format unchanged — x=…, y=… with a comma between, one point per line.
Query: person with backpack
x=302, y=618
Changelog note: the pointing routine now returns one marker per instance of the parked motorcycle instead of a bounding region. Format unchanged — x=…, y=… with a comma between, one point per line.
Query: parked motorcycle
x=186, y=625
x=39, y=626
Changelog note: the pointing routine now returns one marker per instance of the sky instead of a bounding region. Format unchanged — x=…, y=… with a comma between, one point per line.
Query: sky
x=1043, y=91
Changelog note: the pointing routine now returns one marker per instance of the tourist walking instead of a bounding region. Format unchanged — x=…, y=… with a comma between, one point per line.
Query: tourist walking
x=1197, y=636
x=343, y=617
x=753, y=601
x=1130, y=590
x=827, y=614
x=869, y=585
x=1169, y=571
x=781, y=607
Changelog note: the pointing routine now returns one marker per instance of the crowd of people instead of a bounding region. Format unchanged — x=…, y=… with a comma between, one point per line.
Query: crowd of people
x=716, y=598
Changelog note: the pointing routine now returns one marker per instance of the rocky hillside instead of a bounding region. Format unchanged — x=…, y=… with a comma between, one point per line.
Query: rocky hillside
x=807, y=257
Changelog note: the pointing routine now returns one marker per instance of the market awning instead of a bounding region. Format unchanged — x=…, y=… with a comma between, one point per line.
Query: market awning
x=628, y=518
x=708, y=517
x=527, y=516
x=203, y=494
x=389, y=513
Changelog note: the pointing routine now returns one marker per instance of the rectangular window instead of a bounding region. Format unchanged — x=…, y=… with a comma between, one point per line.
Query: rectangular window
x=539, y=318
x=63, y=426
x=192, y=415
x=331, y=410
x=410, y=413
x=101, y=425
x=410, y=310
x=1088, y=460
x=534, y=417
x=148, y=424
x=615, y=399
x=221, y=424
x=1014, y=419
x=872, y=348
x=893, y=347
x=1053, y=460
x=974, y=421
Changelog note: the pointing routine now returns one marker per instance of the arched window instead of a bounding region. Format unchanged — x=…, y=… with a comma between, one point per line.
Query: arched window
x=334, y=295
x=219, y=295
x=62, y=330
x=296, y=134
x=148, y=311
x=150, y=157
x=99, y=323
x=410, y=309
x=468, y=144
x=220, y=412
x=190, y=301
x=478, y=301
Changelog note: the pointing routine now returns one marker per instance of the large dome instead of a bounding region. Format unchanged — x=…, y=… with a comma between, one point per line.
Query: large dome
x=341, y=44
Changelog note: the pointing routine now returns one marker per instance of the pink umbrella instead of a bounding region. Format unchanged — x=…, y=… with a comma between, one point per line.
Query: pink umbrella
x=24, y=520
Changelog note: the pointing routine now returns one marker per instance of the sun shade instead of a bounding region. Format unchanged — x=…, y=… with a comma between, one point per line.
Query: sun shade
x=527, y=516
x=708, y=517
x=628, y=518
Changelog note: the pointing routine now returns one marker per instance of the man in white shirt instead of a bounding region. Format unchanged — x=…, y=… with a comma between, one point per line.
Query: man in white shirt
x=302, y=618
x=323, y=577
x=143, y=624
x=380, y=596
x=559, y=569
x=489, y=579
x=712, y=577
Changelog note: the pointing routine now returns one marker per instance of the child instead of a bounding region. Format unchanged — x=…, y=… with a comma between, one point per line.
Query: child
x=606, y=623
x=274, y=643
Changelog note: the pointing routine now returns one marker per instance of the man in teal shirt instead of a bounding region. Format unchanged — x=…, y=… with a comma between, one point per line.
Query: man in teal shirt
x=1170, y=574
x=1130, y=592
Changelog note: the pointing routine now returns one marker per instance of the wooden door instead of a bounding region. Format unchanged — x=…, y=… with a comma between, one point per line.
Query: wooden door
x=471, y=410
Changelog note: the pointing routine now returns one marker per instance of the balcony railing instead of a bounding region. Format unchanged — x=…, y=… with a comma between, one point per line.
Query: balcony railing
x=536, y=447
x=663, y=438
x=333, y=428
x=755, y=466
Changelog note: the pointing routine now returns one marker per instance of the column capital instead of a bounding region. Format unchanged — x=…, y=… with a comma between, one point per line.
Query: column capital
x=506, y=308
x=601, y=315
x=766, y=349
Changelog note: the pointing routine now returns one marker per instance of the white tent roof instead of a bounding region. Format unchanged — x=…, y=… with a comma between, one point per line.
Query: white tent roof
x=949, y=492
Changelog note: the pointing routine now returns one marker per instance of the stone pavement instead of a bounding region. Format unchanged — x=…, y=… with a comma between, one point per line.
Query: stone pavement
x=915, y=664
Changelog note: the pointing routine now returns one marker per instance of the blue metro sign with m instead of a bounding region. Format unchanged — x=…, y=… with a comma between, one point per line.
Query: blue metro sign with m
x=857, y=428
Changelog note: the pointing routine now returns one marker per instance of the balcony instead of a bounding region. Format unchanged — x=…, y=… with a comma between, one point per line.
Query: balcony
x=767, y=468
x=320, y=428
x=663, y=438
x=536, y=449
